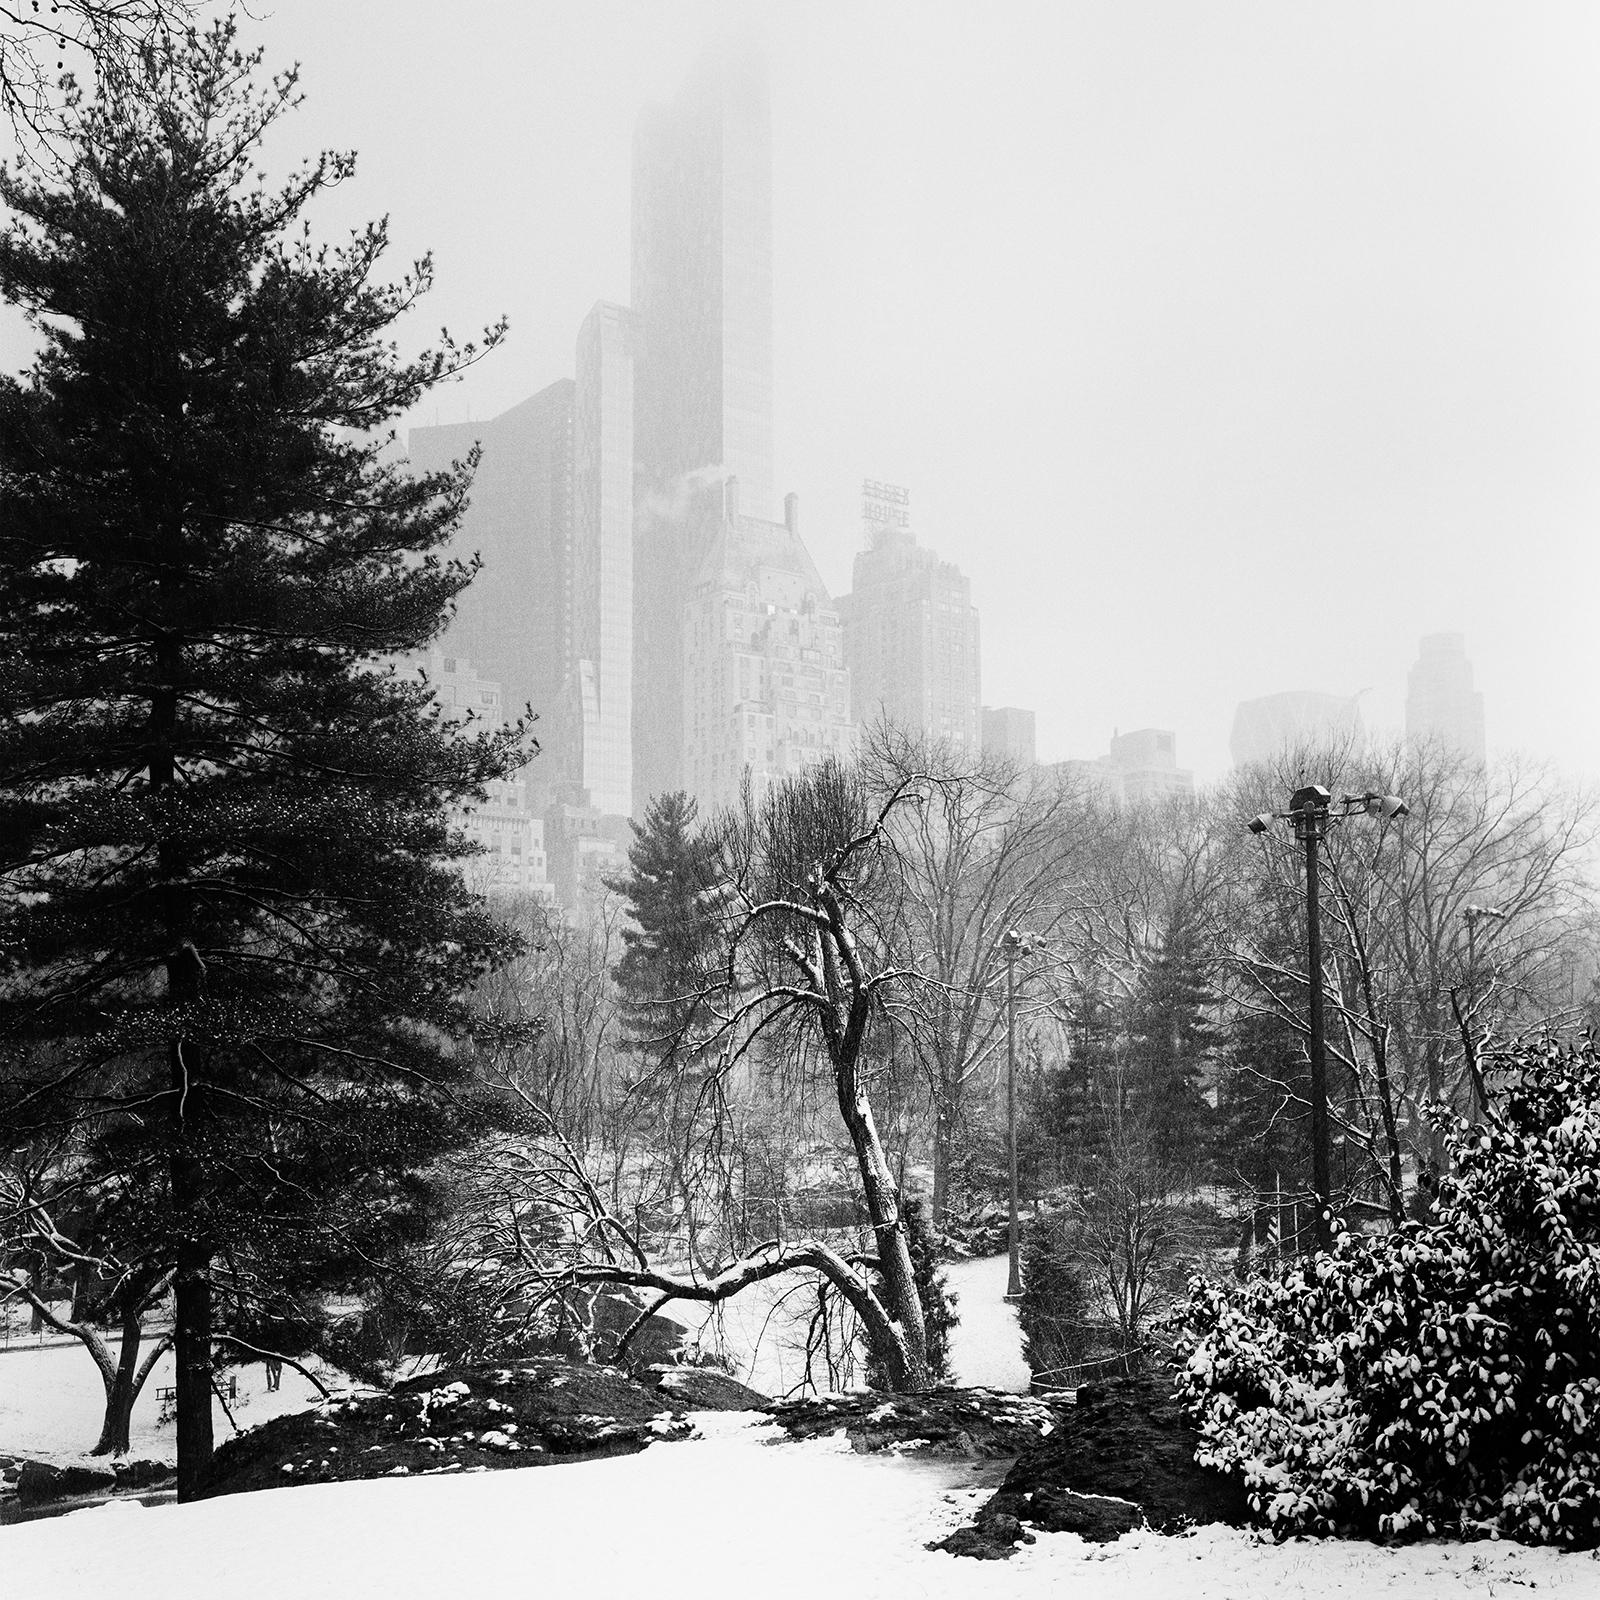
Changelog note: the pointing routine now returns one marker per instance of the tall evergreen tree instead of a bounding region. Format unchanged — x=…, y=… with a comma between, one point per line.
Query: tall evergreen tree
x=235, y=942
x=670, y=877
x=1173, y=1043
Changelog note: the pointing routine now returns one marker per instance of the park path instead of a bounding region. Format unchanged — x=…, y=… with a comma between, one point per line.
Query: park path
x=986, y=1346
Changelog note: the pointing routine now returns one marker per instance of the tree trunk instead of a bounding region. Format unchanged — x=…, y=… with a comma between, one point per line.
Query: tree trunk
x=191, y=1295
x=902, y=1344
x=939, y=1206
x=120, y=1391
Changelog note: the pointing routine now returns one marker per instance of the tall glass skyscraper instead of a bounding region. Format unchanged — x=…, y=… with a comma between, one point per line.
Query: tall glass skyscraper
x=600, y=686
x=702, y=300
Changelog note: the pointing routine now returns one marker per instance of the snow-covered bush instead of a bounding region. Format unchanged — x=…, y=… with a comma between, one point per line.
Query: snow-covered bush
x=1444, y=1377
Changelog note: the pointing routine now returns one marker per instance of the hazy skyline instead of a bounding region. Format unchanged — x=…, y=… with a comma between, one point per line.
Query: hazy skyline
x=1228, y=349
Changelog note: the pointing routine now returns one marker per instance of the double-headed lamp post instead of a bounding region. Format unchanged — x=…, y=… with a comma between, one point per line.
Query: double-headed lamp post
x=1310, y=812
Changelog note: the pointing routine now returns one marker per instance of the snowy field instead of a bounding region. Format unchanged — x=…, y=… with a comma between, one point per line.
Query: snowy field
x=731, y=1515
x=52, y=1401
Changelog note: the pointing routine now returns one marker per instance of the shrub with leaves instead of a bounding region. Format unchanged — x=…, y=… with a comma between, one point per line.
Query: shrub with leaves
x=1443, y=1378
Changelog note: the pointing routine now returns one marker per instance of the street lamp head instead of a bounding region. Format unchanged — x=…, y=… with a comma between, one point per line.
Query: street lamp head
x=1311, y=798
x=1260, y=824
x=1387, y=807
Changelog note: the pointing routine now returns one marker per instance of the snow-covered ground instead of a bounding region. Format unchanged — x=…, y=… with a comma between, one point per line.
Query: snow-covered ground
x=986, y=1345
x=763, y=1330
x=52, y=1401
x=733, y=1515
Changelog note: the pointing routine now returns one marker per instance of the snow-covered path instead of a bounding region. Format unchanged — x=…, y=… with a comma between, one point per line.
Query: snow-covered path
x=727, y=1517
x=986, y=1345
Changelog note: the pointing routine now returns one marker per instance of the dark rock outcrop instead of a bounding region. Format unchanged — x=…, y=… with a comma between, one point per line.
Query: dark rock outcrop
x=704, y=1389
x=1123, y=1459
x=983, y=1424
x=140, y=1474
x=39, y=1480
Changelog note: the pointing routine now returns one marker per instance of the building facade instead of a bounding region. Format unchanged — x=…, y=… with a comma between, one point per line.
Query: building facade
x=911, y=631
x=514, y=622
x=1272, y=725
x=599, y=689
x=513, y=859
x=1441, y=704
x=1140, y=767
x=702, y=303
x=1008, y=735
x=766, y=690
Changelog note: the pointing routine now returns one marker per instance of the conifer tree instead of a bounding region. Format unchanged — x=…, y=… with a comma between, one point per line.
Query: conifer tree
x=671, y=872
x=233, y=940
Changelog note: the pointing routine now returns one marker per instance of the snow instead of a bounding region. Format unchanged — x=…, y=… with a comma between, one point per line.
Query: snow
x=986, y=1345
x=52, y=1403
x=763, y=1330
x=731, y=1514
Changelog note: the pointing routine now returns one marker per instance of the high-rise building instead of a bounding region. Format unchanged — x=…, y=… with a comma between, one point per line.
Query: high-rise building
x=702, y=300
x=515, y=620
x=1441, y=704
x=766, y=691
x=599, y=690
x=1265, y=728
x=1008, y=733
x=512, y=838
x=910, y=631
x=1147, y=763
x=1139, y=766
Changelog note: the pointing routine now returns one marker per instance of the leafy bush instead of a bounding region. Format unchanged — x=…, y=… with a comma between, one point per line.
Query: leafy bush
x=1444, y=1377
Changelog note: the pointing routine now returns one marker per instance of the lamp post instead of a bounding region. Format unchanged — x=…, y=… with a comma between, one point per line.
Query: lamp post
x=1015, y=943
x=1310, y=813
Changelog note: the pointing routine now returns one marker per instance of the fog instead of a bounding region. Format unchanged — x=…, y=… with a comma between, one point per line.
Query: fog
x=1227, y=348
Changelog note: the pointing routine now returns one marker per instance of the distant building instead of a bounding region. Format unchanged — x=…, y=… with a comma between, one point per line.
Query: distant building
x=512, y=836
x=1146, y=761
x=1263, y=729
x=1139, y=766
x=766, y=691
x=1441, y=703
x=1008, y=732
x=910, y=631
x=550, y=614
x=702, y=300
x=599, y=669
x=514, y=621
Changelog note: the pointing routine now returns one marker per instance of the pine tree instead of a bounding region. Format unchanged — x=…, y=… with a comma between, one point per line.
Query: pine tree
x=1172, y=1042
x=671, y=873
x=235, y=941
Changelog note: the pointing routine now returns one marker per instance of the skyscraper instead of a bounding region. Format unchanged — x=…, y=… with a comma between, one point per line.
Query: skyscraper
x=599, y=690
x=911, y=631
x=514, y=622
x=1441, y=704
x=1008, y=734
x=1265, y=728
x=702, y=300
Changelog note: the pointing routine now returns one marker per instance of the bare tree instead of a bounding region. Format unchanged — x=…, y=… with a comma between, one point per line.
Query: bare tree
x=59, y=1222
x=41, y=42
x=807, y=965
x=991, y=848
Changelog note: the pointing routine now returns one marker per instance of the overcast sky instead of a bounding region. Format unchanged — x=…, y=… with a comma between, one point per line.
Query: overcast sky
x=1227, y=347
